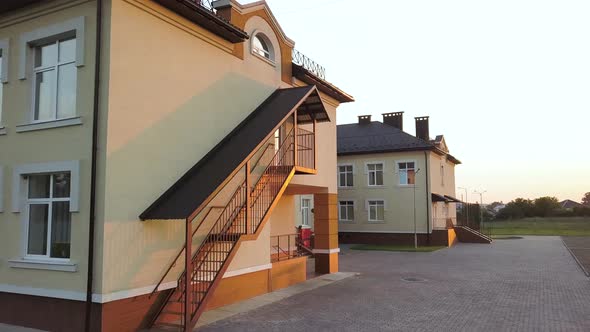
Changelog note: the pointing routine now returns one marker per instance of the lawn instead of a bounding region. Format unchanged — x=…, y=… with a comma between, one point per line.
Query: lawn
x=394, y=248
x=579, y=226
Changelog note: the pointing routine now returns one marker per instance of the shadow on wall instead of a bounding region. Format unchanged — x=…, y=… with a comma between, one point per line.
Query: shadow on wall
x=137, y=253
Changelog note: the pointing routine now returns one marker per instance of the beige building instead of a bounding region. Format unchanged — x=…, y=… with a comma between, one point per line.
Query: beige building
x=147, y=145
x=392, y=185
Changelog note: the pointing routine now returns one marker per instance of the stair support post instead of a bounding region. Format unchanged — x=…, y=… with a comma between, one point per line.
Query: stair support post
x=248, y=229
x=315, y=146
x=295, y=137
x=187, y=276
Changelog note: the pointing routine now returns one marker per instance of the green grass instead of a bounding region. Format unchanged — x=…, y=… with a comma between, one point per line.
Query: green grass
x=578, y=226
x=394, y=248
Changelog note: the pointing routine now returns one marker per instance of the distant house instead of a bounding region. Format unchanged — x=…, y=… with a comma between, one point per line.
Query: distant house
x=569, y=205
x=383, y=171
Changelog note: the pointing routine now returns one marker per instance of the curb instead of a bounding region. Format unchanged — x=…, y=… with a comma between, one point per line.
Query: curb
x=575, y=258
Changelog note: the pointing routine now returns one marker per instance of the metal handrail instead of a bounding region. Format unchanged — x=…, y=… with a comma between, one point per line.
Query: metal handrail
x=180, y=253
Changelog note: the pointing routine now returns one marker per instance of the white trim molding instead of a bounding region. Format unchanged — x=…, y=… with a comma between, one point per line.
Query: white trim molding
x=18, y=181
x=247, y=270
x=71, y=28
x=53, y=265
x=76, y=121
x=1, y=188
x=54, y=293
x=326, y=251
x=2, y=131
x=5, y=52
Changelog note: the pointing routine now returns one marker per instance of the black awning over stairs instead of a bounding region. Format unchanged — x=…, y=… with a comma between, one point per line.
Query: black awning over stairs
x=196, y=185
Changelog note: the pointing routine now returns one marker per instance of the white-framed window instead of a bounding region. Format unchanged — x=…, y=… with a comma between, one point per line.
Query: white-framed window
x=1, y=190
x=305, y=211
x=376, y=209
x=375, y=174
x=346, y=210
x=407, y=172
x=48, y=216
x=1, y=85
x=50, y=57
x=4, y=50
x=345, y=176
x=54, y=80
x=262, y=47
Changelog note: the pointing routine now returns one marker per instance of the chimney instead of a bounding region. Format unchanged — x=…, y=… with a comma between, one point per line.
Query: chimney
x=395, y=119
x=422, y=130
x=364, y=119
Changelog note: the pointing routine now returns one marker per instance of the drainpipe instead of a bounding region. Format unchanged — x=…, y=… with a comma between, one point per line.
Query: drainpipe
x=97, y=59
x=427, y=175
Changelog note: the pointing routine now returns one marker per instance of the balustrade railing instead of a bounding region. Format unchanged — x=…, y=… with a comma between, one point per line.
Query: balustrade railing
x=305, y=148
x=300, y=59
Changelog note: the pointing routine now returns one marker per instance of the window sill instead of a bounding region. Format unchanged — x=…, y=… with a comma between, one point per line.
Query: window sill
x=346, y=221
x=22, y=263
x=406, y=185
x=379, y=186
x=49, y=124
x=376, y=221
x=269, y=61
x=346, y=188
x=2, y=130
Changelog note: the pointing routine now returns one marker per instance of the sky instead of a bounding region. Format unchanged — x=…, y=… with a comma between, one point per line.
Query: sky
x=507, y=82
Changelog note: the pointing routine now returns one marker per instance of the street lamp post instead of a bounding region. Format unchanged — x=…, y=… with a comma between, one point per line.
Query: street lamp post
x=480, y=193
x=467, y=205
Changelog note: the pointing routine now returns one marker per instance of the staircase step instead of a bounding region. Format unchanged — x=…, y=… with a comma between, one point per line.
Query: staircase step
x=172, y=312
x=169, y=325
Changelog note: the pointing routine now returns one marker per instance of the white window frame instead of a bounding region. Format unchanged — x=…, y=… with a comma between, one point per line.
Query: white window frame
x=1, y=188
x=42, y=69
x=368, y=205
x=73, y=28
x=303, y=212
x=49, y=202
x=19, y=196
x=351, y=174
x=4, y=54
x=399, y=171
x=19, y=182
x=265, y=40
x=353, y=205
x=369, y=173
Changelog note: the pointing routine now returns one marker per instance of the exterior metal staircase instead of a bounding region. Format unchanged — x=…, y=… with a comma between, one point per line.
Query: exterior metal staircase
x=242, y=219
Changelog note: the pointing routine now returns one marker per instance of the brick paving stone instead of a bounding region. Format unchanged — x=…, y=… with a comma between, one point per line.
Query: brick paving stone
x=529, y=284
x=579, y=246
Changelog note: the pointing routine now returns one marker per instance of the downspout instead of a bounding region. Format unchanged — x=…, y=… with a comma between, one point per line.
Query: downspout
x=428, y=204
x=91, y=225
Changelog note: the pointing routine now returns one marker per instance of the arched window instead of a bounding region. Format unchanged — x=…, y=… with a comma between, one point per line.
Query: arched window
x=261, y=46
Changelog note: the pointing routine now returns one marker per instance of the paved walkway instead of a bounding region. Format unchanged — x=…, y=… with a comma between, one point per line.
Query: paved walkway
x=530, y=284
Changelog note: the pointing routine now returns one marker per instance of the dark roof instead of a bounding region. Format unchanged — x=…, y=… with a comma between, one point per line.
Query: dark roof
x=438, y=198
x=376, y=137
x=8, y=5
x=196, y=185
x=323, y=85
x=206, y=18
x=569, y=204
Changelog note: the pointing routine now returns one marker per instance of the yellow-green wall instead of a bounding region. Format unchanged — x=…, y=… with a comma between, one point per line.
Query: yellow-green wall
x=49, y=145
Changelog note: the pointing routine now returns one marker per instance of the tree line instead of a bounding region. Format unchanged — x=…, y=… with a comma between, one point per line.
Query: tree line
x=542, y=207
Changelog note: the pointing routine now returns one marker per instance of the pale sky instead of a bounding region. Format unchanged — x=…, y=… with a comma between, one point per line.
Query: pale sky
x=506, y=81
